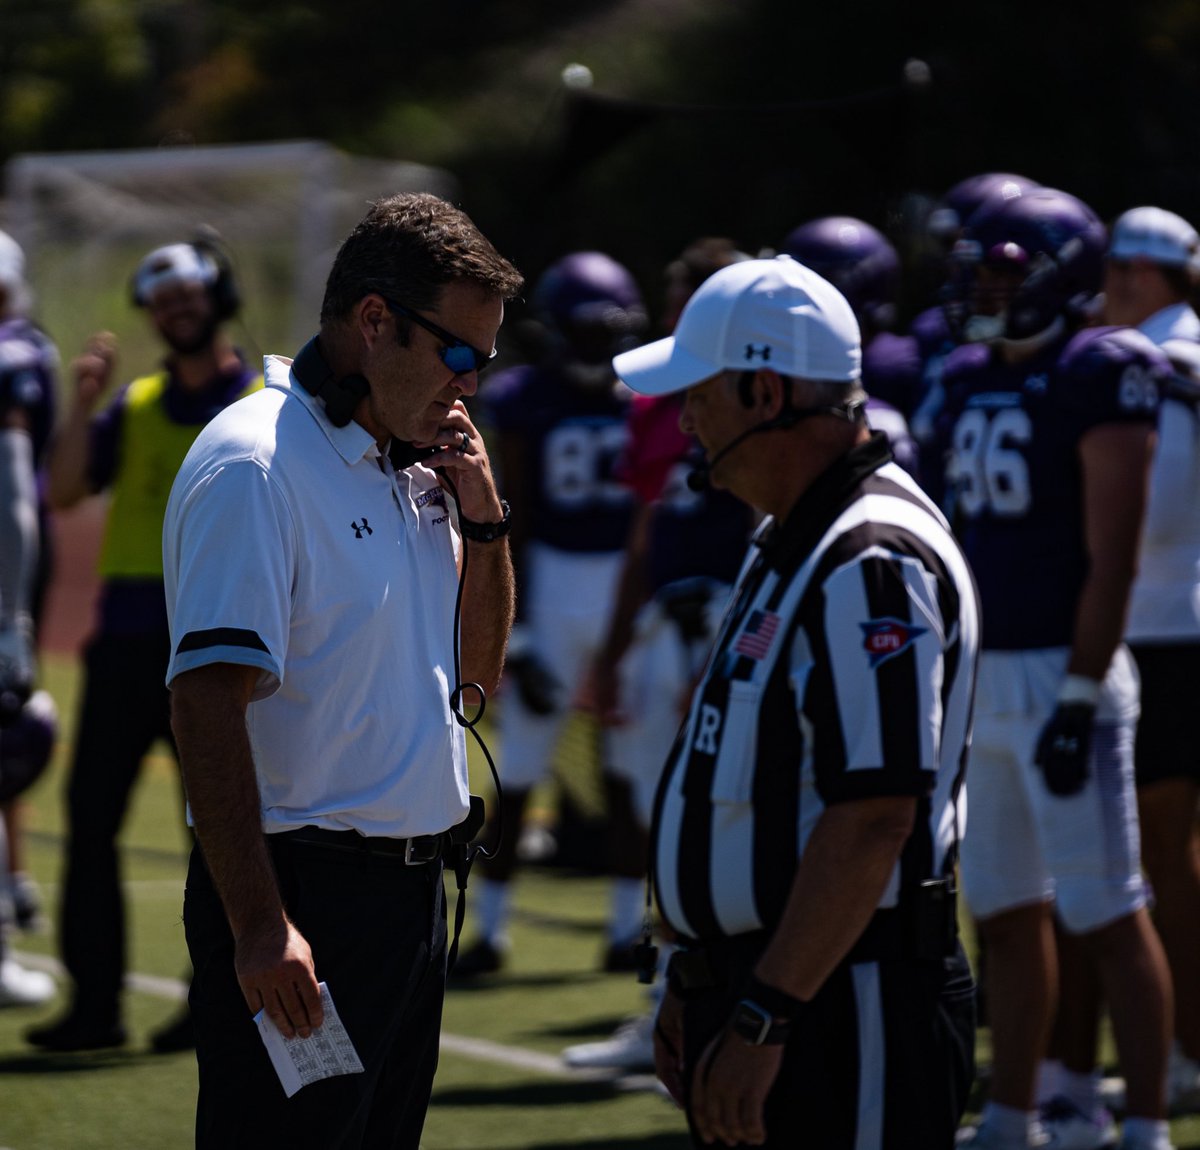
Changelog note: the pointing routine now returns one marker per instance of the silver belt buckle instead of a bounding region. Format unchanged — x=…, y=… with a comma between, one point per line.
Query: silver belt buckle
x=408, y=855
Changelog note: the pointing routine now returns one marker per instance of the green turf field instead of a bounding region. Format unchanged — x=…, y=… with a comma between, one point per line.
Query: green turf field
x=500, y=1085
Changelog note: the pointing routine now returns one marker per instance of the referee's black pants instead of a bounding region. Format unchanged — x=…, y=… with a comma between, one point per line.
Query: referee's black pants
x=881, y=1059
x=377, y=929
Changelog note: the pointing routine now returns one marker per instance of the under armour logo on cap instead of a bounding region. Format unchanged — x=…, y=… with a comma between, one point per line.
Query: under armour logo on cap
x=772, y=313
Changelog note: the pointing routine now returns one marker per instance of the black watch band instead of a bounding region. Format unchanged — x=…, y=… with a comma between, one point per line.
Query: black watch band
x=487, y=532
x=777, y=1002
x=756, y=1026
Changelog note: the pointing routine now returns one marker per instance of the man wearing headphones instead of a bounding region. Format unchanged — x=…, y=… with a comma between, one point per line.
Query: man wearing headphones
x=131, y=448
x=327, y=619
x=807, y=822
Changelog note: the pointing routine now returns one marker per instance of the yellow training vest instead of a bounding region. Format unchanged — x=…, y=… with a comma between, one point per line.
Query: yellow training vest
x=151, y=452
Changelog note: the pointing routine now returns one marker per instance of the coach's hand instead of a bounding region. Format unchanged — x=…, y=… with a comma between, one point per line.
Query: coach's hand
x=1064, y=747
x=730, y=1087
x=275, y=970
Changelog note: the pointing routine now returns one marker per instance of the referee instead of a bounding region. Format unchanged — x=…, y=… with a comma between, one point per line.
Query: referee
x=807, y=820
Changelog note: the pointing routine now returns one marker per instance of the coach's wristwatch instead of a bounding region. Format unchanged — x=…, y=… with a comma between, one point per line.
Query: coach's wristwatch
x=756, y=1026
x=487, y=532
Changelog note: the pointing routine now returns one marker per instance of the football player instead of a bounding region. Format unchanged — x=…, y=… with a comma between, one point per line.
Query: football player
x=937, y=330
x=860, y=261
x=1049, y=427
x=558, y=427
x=28, y=367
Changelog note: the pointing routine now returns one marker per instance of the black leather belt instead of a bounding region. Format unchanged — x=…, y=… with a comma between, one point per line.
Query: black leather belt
x=411, y=852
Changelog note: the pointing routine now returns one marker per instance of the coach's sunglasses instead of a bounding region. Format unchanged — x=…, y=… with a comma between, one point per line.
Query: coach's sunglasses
x=458, y=355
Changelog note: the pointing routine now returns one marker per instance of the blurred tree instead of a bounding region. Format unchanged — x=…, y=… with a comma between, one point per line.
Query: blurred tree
x=739, y=117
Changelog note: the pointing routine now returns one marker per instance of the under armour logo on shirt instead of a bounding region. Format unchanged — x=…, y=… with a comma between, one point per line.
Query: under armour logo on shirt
x=763, y=352
x=359, y=528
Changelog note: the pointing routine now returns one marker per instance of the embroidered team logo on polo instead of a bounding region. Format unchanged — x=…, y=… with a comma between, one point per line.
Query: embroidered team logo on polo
x=756, y=636
x=884, y=638
x=434, y=495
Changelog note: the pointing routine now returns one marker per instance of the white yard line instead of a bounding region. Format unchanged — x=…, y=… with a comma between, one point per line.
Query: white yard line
x=480, y=1049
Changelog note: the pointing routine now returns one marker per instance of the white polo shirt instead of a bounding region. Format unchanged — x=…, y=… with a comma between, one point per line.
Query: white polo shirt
x=292, y=546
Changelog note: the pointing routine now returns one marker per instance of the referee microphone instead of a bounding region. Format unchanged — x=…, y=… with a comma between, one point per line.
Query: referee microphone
x=701, y=476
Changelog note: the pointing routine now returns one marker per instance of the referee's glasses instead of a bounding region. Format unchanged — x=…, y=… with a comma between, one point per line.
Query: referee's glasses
x=458, y=355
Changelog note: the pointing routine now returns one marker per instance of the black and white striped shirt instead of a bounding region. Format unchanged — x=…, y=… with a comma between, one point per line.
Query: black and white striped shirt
x=845, y=669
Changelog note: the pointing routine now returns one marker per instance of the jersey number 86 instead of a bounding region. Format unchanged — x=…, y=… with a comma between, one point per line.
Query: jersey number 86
x=987, y=470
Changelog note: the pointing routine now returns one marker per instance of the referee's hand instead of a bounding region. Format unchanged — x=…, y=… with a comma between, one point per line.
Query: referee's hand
x=1064, y=747
x=729, y=1090
x=668, y=1046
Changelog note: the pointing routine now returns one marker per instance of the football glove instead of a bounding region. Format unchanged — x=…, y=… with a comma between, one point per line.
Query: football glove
x=539, y=688
x=1064, y=746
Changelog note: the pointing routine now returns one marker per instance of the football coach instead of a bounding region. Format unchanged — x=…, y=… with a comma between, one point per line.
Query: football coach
x=808, y=818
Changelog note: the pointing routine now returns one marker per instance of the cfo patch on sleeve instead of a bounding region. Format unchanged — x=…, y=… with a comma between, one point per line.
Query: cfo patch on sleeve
x=885, y=638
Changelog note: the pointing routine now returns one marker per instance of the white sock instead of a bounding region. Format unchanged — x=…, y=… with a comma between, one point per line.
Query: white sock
x=492, y=904
x=627, y=909
x=1049, y=1080
x=1008, y=1122
x=1146, y=1134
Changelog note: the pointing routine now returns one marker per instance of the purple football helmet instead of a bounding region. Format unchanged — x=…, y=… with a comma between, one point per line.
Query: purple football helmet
x=589, y=290
x=1049, y=248
x=857, y=259
x=962, y=200
x=588, y=308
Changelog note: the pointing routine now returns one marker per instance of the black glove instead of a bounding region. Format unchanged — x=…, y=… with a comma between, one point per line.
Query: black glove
x=538, y=686
x=1064, y=746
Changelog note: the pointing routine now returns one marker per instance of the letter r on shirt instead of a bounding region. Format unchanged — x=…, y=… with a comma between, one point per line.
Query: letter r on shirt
x=707, y=728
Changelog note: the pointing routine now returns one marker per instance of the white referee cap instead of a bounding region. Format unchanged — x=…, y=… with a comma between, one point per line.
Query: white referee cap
x=773, y=313
x=1157, y=235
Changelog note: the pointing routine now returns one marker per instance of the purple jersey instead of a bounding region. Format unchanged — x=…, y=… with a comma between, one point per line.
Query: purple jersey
x=882, y=416
x=934, y=339
x=696, y=533
x=571, y=440
x=28, y=370
x=933, y=333
x=1014, y=481
x=891, y=371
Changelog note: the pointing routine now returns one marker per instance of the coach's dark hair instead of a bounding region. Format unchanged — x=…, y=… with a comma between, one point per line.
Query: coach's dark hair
x=407, y=248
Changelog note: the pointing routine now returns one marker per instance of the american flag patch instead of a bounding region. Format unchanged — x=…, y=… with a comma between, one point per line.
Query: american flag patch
x=756, y=636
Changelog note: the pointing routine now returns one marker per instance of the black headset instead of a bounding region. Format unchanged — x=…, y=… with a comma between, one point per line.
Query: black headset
x=223, y=291
x=341, y=395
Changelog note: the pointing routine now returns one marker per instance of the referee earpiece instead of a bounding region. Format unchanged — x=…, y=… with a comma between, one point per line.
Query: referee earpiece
x=341, y=395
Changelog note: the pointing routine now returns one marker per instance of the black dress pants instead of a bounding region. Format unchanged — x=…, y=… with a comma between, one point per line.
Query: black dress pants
x=377, y=929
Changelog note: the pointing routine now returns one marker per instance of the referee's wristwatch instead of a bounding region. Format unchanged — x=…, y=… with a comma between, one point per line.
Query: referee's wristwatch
x=756, y=1026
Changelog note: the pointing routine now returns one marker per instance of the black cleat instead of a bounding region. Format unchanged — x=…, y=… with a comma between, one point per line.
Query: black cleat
x=76, y=1032
x=482, y=958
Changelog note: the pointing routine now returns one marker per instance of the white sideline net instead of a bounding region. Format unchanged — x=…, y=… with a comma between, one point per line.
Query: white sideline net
x=280, y=210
